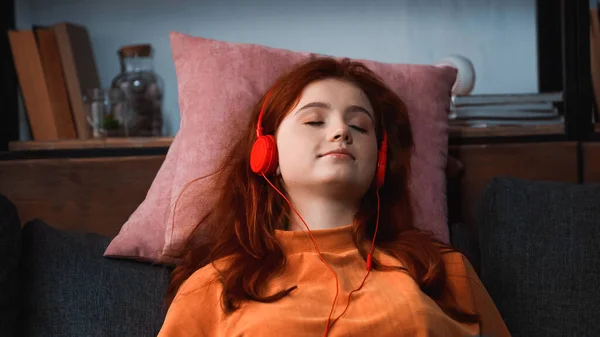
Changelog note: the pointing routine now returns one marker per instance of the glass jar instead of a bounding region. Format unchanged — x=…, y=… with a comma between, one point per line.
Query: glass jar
x=107, y=112
x=143, y=90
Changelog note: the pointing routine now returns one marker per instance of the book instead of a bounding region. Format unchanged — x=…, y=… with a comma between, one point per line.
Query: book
x=80, y=70
x=536, y=106
x=483, y=122
x=515, y=115
x=489, y=99
x=55, y=80
x=45, y=119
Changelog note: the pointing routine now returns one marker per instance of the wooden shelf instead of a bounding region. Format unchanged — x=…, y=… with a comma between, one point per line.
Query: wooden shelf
x=96, y=143
x=504, y=131
x=147, y=142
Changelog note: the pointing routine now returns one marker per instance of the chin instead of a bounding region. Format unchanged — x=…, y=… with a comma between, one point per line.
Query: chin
x=342, y=180
x=331, y=178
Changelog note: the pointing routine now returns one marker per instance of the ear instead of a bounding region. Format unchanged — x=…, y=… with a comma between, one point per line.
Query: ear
x=278, y=171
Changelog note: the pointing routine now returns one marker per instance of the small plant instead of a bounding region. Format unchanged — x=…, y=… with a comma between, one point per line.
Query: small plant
x=110, y=123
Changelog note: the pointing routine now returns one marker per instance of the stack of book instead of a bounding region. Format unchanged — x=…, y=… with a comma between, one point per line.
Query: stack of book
x=54, y=65
x=507, y=109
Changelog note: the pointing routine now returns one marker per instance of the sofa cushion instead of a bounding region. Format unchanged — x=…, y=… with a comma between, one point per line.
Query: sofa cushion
x=70, y=289
x=540, y=255
x=464, y=240
x=10, y=251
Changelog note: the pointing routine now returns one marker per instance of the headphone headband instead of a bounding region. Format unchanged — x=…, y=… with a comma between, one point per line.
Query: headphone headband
x=259, y=128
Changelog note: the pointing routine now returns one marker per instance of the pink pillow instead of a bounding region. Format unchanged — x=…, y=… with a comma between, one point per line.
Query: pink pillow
x=218, y=82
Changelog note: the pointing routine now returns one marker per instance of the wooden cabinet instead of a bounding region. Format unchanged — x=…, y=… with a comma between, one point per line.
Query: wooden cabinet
x=590, y=152
x=98, y=193
x=92, y=194
x=548, y=161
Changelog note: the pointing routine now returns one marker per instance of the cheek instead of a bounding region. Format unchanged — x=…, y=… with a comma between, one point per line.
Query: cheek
x=293, y=163
x=289, y=160
x=292, y=149
x=294, y=153
x=370, y=164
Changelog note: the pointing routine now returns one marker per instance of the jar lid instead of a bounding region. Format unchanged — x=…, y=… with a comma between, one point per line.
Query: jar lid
x=139, y=50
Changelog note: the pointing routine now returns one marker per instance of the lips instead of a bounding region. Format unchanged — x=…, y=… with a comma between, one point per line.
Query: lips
x=339, y=152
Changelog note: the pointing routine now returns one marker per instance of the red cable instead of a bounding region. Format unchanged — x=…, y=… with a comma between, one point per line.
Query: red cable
x=369, y=258
x=318, y=251
x=369, y=262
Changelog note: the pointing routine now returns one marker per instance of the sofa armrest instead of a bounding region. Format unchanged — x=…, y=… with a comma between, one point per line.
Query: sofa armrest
x=70, y=289
x=10, y=252
x=540, y=255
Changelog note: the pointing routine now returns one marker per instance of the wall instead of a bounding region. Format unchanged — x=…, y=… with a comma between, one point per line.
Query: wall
x=499, y=36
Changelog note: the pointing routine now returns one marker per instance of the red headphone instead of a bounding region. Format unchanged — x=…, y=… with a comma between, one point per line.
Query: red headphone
x=264, y=160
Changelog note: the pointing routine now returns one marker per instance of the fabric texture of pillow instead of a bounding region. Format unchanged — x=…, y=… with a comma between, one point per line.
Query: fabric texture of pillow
x=218, y=82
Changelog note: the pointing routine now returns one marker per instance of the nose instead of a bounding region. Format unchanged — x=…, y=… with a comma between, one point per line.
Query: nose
x=342, y=134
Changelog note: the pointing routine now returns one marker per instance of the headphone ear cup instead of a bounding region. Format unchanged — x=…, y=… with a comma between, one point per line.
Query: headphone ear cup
x=263, y=156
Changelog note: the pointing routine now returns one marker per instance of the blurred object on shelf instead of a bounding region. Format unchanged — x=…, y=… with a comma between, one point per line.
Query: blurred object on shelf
x=465, y=77
x=107, y=112
x=143, y=90
x=507, y=109
x=502, y=99
x=485, y=131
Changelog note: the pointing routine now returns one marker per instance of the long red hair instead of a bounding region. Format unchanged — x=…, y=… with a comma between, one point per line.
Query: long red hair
x=248, y=211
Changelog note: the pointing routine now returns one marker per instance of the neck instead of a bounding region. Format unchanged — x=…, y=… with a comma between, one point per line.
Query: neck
x=322, y=212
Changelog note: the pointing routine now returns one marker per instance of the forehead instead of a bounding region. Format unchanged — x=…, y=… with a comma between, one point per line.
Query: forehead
x=334, y=92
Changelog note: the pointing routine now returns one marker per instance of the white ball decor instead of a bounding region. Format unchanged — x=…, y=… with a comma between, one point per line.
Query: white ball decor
x=465, y=78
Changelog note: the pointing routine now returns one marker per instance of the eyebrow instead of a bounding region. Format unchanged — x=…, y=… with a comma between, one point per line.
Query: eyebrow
x=352, y=108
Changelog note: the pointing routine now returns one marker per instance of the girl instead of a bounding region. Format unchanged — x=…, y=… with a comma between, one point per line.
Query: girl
x=313, y=232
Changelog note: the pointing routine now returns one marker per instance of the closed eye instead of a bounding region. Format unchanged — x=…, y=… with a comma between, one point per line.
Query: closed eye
x=359, y=129
x=318, y=123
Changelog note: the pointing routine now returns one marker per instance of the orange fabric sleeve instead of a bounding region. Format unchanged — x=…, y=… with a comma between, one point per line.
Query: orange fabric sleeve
x=196, y=308
x=471, y=295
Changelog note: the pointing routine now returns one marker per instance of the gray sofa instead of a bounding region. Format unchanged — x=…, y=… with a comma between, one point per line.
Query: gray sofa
x=539, y=259
x=57, y=283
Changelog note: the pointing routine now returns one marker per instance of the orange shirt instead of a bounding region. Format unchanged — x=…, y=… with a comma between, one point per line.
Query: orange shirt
x=390, y=303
